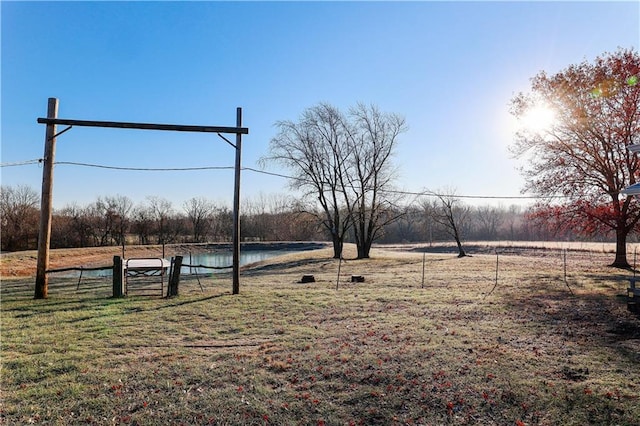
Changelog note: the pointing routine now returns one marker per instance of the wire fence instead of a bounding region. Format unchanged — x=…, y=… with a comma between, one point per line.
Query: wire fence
x=486, y=273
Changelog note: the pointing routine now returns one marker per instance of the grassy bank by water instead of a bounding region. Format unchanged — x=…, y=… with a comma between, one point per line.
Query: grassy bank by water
x=529, y=348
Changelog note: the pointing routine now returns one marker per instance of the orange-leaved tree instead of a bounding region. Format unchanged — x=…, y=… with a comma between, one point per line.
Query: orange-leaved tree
x=579, y=160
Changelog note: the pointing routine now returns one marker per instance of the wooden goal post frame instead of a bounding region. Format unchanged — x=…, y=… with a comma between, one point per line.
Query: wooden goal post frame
x=46, y=202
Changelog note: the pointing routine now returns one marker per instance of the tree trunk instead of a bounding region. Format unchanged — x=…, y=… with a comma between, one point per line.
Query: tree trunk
x=337, y=246
x=361, y=243
x=363, y=251
x=456, y=236
x=621, y=248
x=461, y=252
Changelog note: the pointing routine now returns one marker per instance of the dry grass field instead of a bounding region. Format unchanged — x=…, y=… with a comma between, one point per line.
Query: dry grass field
x=540, y=342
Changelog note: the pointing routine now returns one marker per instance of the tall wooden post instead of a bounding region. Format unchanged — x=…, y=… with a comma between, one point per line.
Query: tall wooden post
x=236, y=208
x=118, y=277
x=174, y=277
x=46, y=203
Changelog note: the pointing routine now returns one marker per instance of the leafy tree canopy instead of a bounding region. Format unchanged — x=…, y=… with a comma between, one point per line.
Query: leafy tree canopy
x=581, y=154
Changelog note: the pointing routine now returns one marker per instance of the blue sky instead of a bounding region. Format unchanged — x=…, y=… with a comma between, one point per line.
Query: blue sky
x=450, y=68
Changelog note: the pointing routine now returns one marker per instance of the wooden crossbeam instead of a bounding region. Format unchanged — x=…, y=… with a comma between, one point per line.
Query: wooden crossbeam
x=146, y=126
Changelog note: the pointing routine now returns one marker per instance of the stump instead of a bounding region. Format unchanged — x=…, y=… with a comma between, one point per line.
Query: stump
x=357, y=279
x=307, y=279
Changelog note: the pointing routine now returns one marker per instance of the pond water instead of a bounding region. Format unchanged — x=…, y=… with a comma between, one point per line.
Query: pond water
x=225, y=259
x=216, y=259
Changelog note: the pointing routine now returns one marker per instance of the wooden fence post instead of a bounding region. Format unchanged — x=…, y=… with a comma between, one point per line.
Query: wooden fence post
x=118, y=277
x=236, y=209
x=46, y=203
x=174, y=277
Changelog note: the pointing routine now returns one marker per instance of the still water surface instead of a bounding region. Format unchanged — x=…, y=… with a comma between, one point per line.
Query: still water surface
x=211, y=259
x=220, y=260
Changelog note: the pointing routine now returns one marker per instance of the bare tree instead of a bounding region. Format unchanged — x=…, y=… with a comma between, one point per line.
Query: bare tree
x=410, y=226
x=270, y=217
x=256, y=218
x=280, y=217
x=299, y=225
x=368, y=174
x=451, y=214
x=199, y=212
x=162, y=213
x=345, y=163
x=121, y=206
x=78, y=229
x=222, y=224
x=111, y=219
x=315, y=150
x=489, y=219
x=143, y=223
x=513, y=216
x=19, y=217
x=106, y=221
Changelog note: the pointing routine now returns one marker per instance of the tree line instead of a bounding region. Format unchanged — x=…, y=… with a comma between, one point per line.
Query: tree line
x=117, y=220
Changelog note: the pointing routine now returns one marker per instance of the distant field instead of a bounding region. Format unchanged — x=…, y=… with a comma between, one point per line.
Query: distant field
x=540, y=341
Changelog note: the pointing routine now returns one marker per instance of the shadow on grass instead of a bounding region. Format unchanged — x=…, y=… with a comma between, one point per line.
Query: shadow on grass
x=579, y=317
x=190, y=301
x=254, y=269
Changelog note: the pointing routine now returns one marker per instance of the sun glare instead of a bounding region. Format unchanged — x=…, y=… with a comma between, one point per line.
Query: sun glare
x=538, y=119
